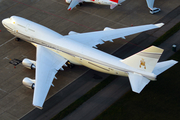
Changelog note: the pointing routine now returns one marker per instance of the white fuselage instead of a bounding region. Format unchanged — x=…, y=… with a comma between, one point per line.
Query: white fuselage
x=75, y=52
x=102, y=2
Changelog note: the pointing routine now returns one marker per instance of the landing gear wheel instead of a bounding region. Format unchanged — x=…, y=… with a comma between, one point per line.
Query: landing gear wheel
x=32, y=87
x=17, y=39
x=80, y=4
x=70, y=65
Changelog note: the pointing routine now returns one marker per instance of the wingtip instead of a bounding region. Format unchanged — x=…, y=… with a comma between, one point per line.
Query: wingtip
x=174, y=61
x=159, y=24
x=69, y=9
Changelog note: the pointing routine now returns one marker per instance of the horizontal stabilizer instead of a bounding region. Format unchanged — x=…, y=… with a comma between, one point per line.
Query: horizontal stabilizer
x=163, y=66
x=137, y=81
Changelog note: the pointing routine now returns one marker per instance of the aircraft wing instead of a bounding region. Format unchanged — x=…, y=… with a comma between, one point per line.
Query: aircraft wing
x=47, y=65
x=99, y=37
x=73, y=4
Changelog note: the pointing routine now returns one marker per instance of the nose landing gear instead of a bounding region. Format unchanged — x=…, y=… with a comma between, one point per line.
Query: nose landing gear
x=17, y=39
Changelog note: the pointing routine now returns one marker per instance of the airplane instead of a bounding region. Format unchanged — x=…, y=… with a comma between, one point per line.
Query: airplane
x=112, y=3
x=54, y=50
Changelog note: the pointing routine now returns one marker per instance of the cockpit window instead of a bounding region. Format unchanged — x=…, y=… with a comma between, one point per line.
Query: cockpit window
x=12, y=20
x=8, y=28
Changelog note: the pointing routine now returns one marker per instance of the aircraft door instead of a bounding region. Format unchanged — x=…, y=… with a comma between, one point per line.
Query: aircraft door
x=29, y=32
x=79, y=58
x=27, y=27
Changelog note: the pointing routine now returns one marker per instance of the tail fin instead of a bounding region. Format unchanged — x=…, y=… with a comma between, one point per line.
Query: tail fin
x=163, y=66
x=144, y=60
x=150, y=4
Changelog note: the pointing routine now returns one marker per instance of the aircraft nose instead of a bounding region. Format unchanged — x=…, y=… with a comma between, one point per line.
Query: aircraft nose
x=4, y=21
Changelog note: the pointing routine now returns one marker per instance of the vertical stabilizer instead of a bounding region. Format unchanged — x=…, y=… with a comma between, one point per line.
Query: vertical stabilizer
x=150, y=4
x=144, y=60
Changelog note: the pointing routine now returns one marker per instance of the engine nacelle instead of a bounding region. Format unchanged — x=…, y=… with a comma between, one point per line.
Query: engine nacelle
x=30, y=64
x=72, y=32
x=68, y=1
x=29, y=83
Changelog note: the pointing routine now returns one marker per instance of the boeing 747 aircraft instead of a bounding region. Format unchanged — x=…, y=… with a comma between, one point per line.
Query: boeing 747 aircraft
x=112, y=3
x=53, y=50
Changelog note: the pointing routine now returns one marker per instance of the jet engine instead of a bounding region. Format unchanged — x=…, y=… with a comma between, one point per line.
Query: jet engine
x=29, y=83
x=68, y=1
x=30, y=64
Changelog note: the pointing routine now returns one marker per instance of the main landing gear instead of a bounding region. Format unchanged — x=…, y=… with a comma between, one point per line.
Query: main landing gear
x=70, y=65
x=17, y=39
x=80, y=4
